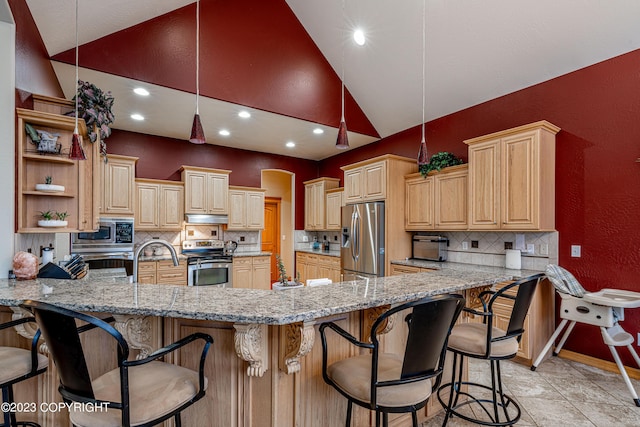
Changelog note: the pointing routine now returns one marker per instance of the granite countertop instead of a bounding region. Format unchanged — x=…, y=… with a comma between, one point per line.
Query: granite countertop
x=113, y=294
x=446, y=266
x=333, y=252
x=256, y=253
x=162, y=257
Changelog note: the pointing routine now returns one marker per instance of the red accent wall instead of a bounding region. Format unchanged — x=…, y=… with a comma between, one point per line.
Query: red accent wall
x=252, y=52
x=597, y=190
x=34, y=73
x=161, y=158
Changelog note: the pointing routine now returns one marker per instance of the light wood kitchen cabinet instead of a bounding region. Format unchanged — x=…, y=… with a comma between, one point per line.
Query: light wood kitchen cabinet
x=159, y=204
x=81, y=180
x=437, y=202
x=333, y=211
x=315, y=201
x=118, y=178
x=162, y=272
x=246, y=208
x=365, y=183
x=398, y=269
x=316, y=266
x=512, y=179
x=206, y=190
x=252, y=272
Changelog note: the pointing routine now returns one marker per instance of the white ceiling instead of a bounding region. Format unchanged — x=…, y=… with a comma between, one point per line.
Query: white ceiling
x=475, y=51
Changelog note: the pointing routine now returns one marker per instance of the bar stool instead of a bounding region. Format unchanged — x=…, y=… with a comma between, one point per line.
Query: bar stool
x=137, y=393
x=18, y=364
x=391, y=383
x=478, y=340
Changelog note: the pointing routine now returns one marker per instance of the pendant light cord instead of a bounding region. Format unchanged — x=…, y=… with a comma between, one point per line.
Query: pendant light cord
x=197, y=56
x=423, y=64
x=342, y=73
x=76, y=81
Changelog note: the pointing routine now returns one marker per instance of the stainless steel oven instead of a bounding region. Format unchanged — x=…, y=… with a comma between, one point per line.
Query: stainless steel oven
x=206, y=263
x=114, y=235
x=210, y=272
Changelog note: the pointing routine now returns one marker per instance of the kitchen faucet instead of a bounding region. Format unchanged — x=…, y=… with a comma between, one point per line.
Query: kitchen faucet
x=136, y=255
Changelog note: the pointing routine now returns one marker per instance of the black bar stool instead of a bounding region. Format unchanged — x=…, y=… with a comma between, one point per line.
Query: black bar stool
x=391, y=383
x=480, y=341
x=18, y=364
x=139, y=393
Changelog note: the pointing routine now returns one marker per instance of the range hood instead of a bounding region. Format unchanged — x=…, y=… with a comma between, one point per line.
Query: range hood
x=206, y=219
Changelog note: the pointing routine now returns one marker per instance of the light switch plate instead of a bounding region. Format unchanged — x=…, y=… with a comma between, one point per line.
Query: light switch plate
x=465, y=246
x=576, y=251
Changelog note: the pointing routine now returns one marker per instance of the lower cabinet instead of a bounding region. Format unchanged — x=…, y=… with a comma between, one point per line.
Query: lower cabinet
x=252, y=272
x=316, y=266
x=163, y=272
x=397, y=269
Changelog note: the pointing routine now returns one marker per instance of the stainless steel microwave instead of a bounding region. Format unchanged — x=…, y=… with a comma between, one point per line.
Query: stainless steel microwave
x=113, y=235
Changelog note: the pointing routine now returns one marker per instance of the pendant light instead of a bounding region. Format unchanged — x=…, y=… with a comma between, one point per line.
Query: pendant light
x=197, y=133
x=423, y=158
x=76, y=152
x=342, y=142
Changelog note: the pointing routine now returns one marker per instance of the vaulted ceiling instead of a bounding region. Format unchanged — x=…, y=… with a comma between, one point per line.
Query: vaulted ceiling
x=283, y=60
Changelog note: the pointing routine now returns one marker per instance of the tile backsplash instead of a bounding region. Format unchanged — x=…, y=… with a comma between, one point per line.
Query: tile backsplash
x=304, y=239
x=491, y=248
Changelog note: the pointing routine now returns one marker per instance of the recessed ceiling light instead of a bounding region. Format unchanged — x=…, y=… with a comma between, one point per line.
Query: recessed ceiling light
x=318, y=131
x=141, y=91
x=244, y=114
x=224, y=132
x=137, y=117
x=358, y=36
x=290, y=144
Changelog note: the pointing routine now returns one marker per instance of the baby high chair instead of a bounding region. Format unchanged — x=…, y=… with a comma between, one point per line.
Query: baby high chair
x=604, y=308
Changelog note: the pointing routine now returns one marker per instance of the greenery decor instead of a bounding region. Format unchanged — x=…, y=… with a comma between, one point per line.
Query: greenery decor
x=438, y=161
x=282, y=272
x=47, y=215
x=94, y=106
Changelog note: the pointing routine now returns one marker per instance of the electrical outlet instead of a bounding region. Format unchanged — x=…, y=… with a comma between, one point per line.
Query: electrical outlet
x=474, y=244
x=305, y=239
x=544, y=249
x=508, y=245
x=531, y=248
x=576, y=251
x=465, y=246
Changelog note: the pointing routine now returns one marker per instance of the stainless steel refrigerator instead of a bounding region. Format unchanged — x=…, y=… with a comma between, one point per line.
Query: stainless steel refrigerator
x=362, y=244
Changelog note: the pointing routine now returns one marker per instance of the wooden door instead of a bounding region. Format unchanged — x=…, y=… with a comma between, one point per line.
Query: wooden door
x=520, y=181
x=271, y=232
x=484, y=185
x=451, y=197
x=147, y=216
x=218, y=193
x=195, y=185
x=171, y=206
x=419, y=202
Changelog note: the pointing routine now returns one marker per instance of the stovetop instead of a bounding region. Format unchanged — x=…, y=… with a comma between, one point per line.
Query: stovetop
x=204, y=250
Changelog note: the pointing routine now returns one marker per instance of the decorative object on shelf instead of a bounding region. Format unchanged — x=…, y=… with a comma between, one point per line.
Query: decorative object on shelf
x=32, y=133
x=197, y=132
x=48, y=142
x=438, y=161
x=342, y=142
x=49, y=187
x=94, y=106
x=76, y=152
x=25, y=265
x=48, y=221
x=423, y=158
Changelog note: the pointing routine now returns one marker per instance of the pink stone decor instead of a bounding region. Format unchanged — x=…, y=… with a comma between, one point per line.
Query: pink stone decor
x=25, y=266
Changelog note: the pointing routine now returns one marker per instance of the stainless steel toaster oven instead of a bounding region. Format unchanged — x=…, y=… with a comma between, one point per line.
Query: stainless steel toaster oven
x=430, y=248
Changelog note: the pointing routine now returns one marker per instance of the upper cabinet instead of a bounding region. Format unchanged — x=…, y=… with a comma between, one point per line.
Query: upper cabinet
x=512, y=179
x=314, y=202
x=206, y=190
x=437, y=202
x=246, y=208
x=159, y=204
x=333, y=208
x=118, y=177
x=375, y=179
x=74, y=190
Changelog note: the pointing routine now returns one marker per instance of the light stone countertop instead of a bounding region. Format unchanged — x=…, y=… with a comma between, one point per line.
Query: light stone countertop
x=113, y=294
x=334, y=253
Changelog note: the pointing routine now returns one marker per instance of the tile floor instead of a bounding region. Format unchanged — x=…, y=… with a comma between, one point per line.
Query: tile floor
x=560, y=393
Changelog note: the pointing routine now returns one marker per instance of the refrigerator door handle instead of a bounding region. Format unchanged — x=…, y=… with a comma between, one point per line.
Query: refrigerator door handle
x=357, y=236
x=353, y=236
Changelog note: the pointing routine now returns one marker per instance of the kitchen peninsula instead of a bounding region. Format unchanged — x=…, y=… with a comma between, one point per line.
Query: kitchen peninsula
x=265, y=368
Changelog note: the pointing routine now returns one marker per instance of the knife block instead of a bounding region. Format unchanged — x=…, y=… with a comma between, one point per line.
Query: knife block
x=53, y=271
